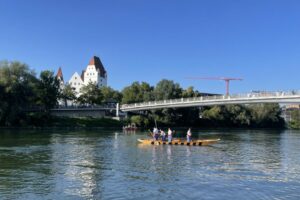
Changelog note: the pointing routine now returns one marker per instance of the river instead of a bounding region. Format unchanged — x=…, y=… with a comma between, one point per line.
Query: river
x=109, y=164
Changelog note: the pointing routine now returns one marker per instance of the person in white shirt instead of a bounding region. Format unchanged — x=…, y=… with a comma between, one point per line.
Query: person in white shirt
x=155, y=133
x=169, y=135
x=189, y=135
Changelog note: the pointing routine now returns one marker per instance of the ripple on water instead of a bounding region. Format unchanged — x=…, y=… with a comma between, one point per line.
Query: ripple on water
x=90, y=165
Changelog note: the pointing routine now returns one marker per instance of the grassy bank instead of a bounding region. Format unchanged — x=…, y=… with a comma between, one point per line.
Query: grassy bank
x=42, y=120
x=84, y=122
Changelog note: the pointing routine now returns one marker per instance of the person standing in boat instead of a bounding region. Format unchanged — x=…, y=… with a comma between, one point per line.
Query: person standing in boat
x=155, y=133
x=189, y=135
x=163, y=135
x=169, y=135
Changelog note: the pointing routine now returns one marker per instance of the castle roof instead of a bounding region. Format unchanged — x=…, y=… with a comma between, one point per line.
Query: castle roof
x=98, y=64
x=60, y=74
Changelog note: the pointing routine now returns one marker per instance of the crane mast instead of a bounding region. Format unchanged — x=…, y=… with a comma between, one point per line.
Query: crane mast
x=226, y=79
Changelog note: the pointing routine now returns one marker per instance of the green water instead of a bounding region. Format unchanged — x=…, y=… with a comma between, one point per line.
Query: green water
x=109, y=164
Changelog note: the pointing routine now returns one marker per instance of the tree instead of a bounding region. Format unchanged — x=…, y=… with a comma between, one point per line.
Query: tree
x=137, y=92
x=17, y=86
x=140, y=121
x=167, y=89
x=190, y=92
x=91, y=95
x=48, y=90
x=110, y=95
x=68, y=94
x=266, y=115
x=295, y=119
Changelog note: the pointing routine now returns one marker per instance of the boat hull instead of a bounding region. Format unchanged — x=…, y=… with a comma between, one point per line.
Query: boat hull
x=179, y=142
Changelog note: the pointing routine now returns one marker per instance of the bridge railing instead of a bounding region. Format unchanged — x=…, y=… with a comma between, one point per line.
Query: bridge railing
x=252, y=95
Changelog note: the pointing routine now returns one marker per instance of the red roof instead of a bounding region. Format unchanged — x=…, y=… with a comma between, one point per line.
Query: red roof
x=99, y=66
x=60, y=74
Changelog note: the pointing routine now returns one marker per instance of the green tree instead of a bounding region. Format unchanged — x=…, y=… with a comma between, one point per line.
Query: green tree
x=213, y=115
x=48, y=90
x=17, y=88
x=90, y=94
x=3, y=104
x=140, y=121
x=190, y=92
x=295, y=119
x=110, y=95
x=68, y=94
x=167, y=89
x=137, y=92
x=266, y=115
x=229, y=116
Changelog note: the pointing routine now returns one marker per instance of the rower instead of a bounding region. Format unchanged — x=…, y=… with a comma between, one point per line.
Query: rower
x=189, y=135
x=163, y=135
x=169, y=135
x=155, y=133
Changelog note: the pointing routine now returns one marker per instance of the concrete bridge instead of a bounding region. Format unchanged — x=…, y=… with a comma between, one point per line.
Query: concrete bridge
x=285, y=97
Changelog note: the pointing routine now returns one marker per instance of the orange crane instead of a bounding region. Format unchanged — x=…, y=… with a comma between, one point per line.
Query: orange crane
x=226, y=79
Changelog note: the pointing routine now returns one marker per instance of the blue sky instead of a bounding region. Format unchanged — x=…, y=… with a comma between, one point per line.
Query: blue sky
x=139, y=40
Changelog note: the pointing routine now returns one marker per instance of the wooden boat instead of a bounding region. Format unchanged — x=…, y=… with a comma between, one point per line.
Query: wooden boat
x=130, y=127
x=179, y=142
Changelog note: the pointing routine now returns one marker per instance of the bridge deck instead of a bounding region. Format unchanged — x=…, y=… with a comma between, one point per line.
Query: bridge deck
x=265, y=97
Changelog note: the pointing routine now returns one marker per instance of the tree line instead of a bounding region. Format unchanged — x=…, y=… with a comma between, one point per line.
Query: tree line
x=27, y=99
x=243, y=116
x=21, y=91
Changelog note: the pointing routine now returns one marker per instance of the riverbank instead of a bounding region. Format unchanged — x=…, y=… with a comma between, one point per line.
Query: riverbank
x=65, y=122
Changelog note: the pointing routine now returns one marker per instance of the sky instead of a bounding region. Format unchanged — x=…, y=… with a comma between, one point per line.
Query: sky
x=150, y=40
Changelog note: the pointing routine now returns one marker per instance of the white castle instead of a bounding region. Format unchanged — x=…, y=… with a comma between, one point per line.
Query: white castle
x=94, y=73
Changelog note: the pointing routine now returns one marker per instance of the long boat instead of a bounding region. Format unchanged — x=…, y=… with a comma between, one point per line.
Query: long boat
x=179, y=142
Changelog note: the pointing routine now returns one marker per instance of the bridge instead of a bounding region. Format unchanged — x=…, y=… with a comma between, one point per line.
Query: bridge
x=286, y=97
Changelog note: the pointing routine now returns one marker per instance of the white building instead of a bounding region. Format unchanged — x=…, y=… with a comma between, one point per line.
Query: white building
x=94, y=72
x=76, y=83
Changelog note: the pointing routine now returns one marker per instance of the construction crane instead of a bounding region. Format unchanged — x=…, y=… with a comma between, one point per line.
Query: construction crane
x=226, y=79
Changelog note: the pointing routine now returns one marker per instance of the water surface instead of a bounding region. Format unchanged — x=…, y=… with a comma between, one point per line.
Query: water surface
x=109, y=164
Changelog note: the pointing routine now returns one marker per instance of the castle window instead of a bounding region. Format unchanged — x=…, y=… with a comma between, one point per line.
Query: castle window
x=75, y=78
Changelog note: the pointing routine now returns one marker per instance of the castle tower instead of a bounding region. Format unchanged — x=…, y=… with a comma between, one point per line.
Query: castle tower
x=95, y=72
x=60, y=77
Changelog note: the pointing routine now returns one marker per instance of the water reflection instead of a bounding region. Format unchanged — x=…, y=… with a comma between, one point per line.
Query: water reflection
x=111, y=165
x=76, y=162
x=169, y=152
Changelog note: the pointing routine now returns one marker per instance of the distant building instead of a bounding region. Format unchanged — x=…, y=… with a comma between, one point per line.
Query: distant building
x=76, y=83
x=94, y=73
x=287, y=111
x=60, y=77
